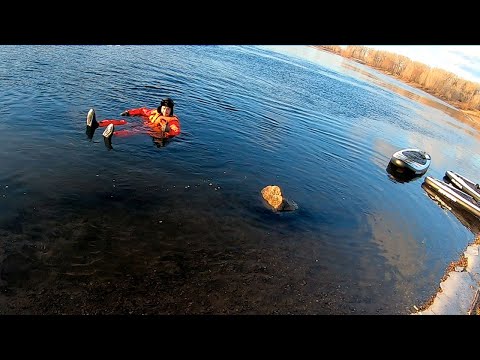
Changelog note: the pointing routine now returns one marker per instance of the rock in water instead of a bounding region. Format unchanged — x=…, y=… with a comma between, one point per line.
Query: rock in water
x=273, y=196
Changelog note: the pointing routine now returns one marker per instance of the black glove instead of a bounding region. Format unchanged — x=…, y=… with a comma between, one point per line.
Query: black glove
x=125, y=113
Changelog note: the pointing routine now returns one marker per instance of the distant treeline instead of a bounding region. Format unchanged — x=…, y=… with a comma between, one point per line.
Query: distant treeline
x=443, y=84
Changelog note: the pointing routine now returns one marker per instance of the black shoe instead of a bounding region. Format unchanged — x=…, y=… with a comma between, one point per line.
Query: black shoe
x=107, y=136
x=92, y=123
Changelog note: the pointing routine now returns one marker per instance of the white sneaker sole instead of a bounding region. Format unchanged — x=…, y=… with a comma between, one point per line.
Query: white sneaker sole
x=108, y=131
x=90, y=116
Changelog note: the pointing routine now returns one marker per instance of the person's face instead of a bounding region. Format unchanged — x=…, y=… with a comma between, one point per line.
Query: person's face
x=165, y=110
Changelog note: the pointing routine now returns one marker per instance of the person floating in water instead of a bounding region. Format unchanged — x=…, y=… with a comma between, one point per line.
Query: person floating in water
x=161, y=118
x=163, y=122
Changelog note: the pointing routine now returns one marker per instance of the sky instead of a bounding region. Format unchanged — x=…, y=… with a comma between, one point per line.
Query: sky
x=462, y=60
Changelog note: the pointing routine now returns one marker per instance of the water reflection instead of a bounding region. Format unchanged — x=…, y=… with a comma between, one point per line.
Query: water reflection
x=401, y=175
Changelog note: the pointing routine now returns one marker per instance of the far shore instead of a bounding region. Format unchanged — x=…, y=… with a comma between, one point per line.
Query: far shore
x=472, y=115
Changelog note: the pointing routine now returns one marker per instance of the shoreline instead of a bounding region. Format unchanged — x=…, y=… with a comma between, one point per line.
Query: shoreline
x=459, y=290
x=471, y=114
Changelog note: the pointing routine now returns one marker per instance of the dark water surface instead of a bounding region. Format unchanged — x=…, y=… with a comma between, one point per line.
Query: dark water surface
x=182, y=229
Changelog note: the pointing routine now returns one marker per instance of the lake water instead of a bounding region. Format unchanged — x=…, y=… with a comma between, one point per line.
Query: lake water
x=182, y=228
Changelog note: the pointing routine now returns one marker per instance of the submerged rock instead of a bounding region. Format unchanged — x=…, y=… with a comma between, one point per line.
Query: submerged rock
x=273, y=196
